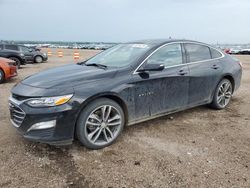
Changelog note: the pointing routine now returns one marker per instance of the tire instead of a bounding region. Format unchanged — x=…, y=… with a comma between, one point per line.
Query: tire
x=222, y=95
x=96, y=131
x=2, y=76
x=18, y=62
x=38, y=59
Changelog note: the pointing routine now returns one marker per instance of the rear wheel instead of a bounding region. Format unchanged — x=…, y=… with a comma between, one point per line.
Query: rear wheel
x=17, y=61
x=100, y=123
x=1, y=76
x=38, y=59
x=222, y=95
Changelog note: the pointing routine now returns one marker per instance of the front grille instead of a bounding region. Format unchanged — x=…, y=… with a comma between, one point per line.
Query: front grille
x=17, y=115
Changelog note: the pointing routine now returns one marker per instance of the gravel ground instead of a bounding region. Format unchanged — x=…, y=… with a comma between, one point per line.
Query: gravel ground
x=199, y=147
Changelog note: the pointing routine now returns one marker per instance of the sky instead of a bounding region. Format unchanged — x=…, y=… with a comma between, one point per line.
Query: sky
x=211, y=21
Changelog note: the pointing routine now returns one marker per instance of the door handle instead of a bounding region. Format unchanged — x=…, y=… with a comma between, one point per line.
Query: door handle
x=215, y=66
x=182, y=72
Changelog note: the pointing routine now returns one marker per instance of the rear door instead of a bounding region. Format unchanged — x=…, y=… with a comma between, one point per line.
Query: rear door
x=205, y=71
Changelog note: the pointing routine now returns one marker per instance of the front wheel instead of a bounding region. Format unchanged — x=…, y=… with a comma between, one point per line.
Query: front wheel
x=100, y=123
x=222, y=95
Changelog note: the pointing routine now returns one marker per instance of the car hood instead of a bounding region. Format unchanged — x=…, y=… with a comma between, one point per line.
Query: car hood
x=69, y=75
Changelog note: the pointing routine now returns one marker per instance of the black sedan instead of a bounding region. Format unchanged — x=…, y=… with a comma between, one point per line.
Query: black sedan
x=129, y=83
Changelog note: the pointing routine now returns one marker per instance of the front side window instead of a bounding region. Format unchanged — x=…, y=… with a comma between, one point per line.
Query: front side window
x=120, y=55
x=11, y=47
x=169, y=55
x=24, y=49
x=197, y=52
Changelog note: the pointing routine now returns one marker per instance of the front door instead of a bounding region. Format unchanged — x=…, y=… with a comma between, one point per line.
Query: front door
x=157, y=92
x=28, y=53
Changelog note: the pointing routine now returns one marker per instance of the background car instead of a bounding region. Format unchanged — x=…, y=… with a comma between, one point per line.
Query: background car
x=7, y=69
x=245, y=52
x=234, y=51
x=13, y=54
x=32, y=55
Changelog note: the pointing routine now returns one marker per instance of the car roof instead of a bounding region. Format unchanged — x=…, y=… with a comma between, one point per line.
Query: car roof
x=7, y=44
x=162, y=41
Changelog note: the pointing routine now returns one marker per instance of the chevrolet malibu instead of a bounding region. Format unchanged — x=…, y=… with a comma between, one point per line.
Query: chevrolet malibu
x=92, y=101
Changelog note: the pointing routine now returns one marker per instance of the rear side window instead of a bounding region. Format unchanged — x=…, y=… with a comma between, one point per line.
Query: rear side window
x=197, y=52
x=215, y=53
x=11, y=47
x=1, y=46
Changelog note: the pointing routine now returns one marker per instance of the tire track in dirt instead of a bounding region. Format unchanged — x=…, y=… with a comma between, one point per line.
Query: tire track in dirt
x=62, y=163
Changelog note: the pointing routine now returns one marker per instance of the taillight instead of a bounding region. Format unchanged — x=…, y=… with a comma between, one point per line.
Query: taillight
x=240, y=63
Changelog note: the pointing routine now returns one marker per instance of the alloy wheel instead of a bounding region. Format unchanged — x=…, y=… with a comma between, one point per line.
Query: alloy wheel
x=224, y=93
x=103, y=125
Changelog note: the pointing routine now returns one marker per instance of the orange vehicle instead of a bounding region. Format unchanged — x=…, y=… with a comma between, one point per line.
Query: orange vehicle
x=7, y=69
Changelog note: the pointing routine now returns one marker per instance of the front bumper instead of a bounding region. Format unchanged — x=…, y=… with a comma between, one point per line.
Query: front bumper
x=23, y=117
x=45, y=58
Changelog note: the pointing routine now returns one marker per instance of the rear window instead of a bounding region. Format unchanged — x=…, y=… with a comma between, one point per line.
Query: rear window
x=215, y=53
x=11, y=47
x=197, y=52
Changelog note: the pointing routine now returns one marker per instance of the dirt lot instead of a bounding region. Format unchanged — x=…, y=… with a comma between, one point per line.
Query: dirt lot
x=200, y=147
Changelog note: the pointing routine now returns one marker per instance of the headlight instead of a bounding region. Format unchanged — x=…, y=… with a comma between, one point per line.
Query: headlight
x=49, y=101
x=45, y=54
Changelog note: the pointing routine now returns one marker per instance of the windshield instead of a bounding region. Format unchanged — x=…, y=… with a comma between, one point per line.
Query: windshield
x=120, y=55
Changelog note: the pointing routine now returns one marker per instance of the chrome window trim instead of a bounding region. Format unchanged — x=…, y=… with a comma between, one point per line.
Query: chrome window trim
x=180, y=42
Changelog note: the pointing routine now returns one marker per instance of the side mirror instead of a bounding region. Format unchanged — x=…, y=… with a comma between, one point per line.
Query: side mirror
x=30, y=50
x=151, y=67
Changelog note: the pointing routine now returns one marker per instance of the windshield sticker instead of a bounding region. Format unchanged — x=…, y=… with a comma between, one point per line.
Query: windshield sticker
x=140, y=46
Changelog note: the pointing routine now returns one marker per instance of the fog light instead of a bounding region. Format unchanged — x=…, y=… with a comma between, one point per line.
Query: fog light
x=43, y=125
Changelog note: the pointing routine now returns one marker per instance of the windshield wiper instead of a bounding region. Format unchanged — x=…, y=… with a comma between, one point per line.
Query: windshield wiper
x=81, y=63
x=97, y=65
